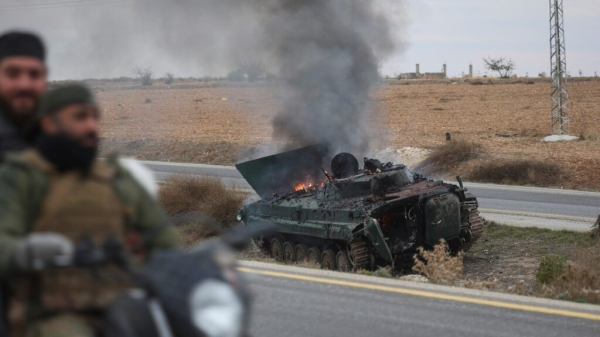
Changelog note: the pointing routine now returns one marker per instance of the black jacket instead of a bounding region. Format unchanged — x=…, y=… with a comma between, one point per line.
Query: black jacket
x=11, y=138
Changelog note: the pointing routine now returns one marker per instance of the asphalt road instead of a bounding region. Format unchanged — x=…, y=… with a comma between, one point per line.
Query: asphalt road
x=292, y=301
x=519, y=206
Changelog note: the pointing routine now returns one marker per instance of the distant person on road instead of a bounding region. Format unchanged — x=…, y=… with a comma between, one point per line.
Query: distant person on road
x=23, y=76
x=58, y=195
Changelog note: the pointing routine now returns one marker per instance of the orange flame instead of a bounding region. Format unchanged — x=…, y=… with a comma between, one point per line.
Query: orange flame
x=304, y=186
x=308, y=186
x=299, y=187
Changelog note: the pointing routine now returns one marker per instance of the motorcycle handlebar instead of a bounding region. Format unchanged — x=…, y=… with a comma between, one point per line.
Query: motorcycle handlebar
x=92, y=258
x=86, y=254
x=240, y=238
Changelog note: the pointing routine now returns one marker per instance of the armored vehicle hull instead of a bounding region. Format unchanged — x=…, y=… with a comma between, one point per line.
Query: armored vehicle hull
x=377, y=216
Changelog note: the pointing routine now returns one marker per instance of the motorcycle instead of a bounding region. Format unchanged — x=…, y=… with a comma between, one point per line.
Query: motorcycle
x=193, y=293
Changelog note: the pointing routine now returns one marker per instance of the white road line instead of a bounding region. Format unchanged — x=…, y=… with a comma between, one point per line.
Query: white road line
x=539, y=215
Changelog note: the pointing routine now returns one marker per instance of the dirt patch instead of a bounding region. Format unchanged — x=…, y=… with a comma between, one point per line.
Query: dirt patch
x=512, y=255
x=577, y=279
x=213, y=153
x=527, y=261
x=409, y=156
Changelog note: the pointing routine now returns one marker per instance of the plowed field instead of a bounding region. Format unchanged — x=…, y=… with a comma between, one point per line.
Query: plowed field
x=219, y=122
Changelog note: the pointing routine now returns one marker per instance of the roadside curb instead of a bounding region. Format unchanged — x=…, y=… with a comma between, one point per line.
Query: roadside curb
x=490, y=298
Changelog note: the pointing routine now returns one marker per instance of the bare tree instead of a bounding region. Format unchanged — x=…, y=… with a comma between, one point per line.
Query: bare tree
x=251, y=71
x=254, y=71
x=236, y=75
x=144, y=74
x=169, y=78
x=503, y=66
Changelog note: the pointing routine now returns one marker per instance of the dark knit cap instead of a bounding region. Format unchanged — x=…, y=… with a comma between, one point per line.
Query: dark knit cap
x=22, y=44
x=60, y=97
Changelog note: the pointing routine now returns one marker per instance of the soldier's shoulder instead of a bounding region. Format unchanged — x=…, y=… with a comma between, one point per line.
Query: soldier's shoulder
x=17, y=172
x=29, y=160
x=17, y=161
x=135, y=173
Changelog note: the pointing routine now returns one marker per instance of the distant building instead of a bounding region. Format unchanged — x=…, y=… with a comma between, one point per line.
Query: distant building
x=418, y=75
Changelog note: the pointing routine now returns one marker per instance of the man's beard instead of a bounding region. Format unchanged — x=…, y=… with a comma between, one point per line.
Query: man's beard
x=21, y=119
x=66, y=153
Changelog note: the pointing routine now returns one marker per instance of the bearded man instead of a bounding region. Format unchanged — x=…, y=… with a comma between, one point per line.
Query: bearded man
x=23, y=76
x=57, y=196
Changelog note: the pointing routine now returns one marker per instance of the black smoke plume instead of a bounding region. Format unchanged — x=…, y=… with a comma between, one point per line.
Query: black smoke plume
x=327, y=54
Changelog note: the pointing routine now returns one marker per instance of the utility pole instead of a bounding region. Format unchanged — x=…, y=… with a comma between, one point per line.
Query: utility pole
x=558, y=71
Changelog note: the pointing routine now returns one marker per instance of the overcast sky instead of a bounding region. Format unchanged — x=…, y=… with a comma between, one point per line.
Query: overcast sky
x=436, y=31
x=460, y=32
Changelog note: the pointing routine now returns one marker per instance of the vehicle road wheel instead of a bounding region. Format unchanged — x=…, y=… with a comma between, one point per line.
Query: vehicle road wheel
x=359, y=252
x=301, y=252
x=277, y=249
x=328, y=259
x=342, y=261
x=314, y=256
x=289, y=253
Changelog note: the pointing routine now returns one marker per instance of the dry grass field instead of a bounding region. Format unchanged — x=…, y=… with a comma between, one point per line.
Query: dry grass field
x=220, y=122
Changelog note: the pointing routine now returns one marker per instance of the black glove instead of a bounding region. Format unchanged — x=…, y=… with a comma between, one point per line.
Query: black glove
x=38, y=250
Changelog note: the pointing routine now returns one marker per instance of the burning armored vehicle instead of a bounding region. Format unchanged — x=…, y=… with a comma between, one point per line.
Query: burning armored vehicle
x=354, y=218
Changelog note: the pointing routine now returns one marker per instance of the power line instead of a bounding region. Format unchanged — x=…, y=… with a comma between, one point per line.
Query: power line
x=53, y=5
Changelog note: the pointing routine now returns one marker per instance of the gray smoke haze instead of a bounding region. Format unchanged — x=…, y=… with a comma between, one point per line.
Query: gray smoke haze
x=325, y=52
x=185, y=37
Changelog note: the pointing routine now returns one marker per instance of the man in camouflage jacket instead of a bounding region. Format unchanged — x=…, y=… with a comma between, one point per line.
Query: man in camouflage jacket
x=57, y=195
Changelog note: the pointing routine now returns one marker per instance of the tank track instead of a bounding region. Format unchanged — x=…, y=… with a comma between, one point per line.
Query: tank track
x=360, y=250
x=476, y=223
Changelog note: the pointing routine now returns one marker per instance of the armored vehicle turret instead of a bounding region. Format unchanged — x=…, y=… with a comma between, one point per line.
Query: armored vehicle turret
x=354, y=218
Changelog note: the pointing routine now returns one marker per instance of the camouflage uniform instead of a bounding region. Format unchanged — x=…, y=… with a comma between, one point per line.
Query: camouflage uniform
x=106, y=203
x=65, y=325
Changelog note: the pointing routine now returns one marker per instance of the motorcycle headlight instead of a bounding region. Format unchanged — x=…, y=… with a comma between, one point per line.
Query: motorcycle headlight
x=217, y=310
x=239, y=216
